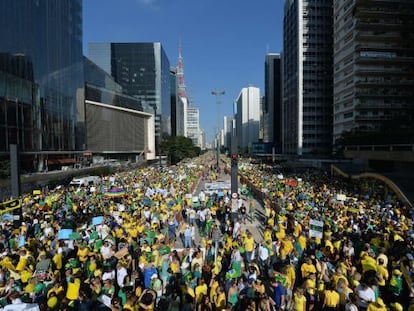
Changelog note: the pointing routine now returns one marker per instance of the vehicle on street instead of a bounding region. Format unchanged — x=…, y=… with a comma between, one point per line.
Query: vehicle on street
x=79, y=182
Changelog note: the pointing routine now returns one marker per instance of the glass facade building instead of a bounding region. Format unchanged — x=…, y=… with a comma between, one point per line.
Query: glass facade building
x=48, y=34
x=143, y=71
x=19, y=103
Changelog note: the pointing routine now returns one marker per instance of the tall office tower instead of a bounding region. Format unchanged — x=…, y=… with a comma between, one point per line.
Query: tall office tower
x=374, y=70
x=272, y=119
x=174, y=101
x=307, y=77
x=182, y=98
x=193, y=125
x=143, y=71
x=248, y=118
x=41, y=75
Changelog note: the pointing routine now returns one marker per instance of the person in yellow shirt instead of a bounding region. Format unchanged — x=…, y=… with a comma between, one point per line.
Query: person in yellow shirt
x=82, y=253
x=220, y=299
x=378, y=305
x=310, y=286
x=299, y=300
x=267, y=234
x=213, y=287
x=302, y=242
x=338, y=275
x=307, y=268
x=248, y=245
x=200, y=290
x=331, y=299
x=383, y=274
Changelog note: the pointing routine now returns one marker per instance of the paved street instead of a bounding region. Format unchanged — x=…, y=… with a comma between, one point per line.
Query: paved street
x=254, y=226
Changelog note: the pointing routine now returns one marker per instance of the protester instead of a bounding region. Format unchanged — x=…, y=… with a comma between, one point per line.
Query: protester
x=137, y=240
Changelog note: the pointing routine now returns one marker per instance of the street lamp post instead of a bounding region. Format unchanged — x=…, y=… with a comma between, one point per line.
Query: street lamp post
x=218, y=94
x=234, y=154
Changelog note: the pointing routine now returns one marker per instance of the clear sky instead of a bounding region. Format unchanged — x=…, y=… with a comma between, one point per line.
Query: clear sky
x=224, y=42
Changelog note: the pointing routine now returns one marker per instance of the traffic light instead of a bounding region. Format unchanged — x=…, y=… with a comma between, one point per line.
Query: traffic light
x=234, y=158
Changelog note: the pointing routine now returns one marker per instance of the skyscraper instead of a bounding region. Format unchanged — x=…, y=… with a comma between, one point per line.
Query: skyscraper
x=272, y=119
x=307, y=77
x=174, y=100
x=193, y=125
x=143, y=71
x=182, y=98
x=374, y=70
x=48, y=34
x=248, y=118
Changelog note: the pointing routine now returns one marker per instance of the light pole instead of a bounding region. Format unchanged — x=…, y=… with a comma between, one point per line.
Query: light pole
x=218, y=94
x=234, y=154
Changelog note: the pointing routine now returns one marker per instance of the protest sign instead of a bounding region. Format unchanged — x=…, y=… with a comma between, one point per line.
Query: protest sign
x=315, y=229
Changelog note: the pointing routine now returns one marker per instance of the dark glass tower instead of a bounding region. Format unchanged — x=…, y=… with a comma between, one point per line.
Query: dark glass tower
x=49, y=34
x=143, y=71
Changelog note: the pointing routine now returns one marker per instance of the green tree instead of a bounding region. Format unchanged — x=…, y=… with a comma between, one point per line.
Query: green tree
x=178, y=148
x=4, y=169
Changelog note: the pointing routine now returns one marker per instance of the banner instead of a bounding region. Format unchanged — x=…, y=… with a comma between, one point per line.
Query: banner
x=291, y=182
x=340, y=197
x=315, y=228
x=9, y=206
x=114, y=193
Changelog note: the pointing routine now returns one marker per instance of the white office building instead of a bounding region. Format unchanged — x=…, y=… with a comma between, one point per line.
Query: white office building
x=248, y=118
x=193, y=125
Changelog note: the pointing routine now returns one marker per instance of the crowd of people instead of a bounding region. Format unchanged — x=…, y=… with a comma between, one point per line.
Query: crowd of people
x=137, y=241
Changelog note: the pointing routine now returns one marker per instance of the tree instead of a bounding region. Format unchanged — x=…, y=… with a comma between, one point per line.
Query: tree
x=5, y=169
x=178, y=148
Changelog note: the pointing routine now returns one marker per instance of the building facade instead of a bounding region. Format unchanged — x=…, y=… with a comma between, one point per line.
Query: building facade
x=40, y=116
x=143, y=71
x=49, y=34
x=272, y=106
x=373, y=68
x=113, y=126
x=193, y=125
x=307, y=77
x=248, y=118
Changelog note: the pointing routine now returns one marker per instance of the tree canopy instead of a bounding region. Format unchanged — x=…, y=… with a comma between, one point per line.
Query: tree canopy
x=178, y=148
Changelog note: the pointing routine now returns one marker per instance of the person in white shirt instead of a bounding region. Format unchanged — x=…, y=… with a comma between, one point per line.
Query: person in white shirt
x=236, y=229
x=109, y=274
x=263, y=253
x=121, y=273
x=349, y=250
x=364, y=295
x=106, y=250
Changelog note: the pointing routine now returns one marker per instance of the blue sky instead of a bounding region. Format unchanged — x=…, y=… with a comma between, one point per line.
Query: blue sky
x=224, y=41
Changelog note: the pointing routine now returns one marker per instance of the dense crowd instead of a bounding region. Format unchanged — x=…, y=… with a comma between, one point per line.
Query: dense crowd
x=138, y=241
